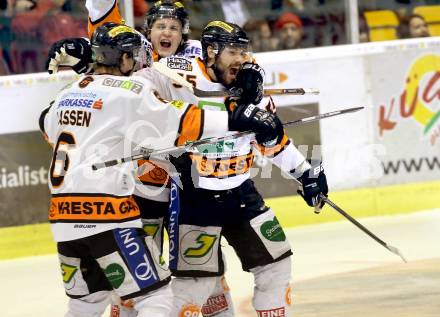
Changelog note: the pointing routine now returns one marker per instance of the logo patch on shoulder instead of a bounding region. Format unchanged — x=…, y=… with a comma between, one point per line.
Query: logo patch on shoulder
x=85, y=82
x=131, y=85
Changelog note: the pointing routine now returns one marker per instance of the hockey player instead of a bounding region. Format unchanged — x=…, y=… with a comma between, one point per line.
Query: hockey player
x=94, y=219
x=167, y=26
x=218, y=198
x=224, y=74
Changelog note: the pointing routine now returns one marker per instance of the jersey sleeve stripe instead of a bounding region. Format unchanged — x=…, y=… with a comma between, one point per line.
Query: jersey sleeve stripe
x=191, y=125
x=276, y=149
x=113, y=15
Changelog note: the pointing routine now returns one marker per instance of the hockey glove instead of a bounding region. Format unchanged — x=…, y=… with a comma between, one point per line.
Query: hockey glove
x=248, y=84
x=266, y=125
x=75, y=53
x=314, y=183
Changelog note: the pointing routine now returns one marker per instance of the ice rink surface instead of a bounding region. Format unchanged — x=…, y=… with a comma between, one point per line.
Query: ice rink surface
x=337, y=271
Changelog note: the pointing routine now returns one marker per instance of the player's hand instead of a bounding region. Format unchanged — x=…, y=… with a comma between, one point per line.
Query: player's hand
x=266, y=125
x=313, y=184
x=75, y=53
x=248, y=84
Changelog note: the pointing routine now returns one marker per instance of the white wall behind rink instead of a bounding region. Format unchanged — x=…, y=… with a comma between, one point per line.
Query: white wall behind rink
x=353, y=149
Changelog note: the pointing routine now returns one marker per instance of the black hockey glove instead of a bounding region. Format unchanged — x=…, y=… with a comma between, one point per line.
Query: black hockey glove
x=75, y=53
x=266, y=125
x=248, y=84
x=314, y=183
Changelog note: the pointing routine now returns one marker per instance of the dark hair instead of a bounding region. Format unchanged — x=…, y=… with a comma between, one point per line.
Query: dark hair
x=403, y=28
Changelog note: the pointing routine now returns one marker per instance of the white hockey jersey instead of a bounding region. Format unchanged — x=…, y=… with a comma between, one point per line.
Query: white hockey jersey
x=226, y=164
x=103, y=117
x=152, y=176
x=102, y=11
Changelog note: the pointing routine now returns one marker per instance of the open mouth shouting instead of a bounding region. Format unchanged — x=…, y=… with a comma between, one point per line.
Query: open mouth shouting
x=229, y=74
x=165, y=44
x=233, y=71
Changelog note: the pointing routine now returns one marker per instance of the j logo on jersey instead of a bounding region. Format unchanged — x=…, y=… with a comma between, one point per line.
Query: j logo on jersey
x=151, y=229
x=68, y=272
x=197, y=246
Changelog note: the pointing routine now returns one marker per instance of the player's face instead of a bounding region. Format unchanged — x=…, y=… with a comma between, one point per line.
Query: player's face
x=166, y=35
x=229, y=62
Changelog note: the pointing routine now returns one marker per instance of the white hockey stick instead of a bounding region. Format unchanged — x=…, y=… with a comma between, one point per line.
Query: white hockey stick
x=163, y=69
x=192, y=146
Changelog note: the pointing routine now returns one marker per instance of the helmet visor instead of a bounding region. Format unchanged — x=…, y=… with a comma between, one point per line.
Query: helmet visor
x=143, y=55
x=242, y=49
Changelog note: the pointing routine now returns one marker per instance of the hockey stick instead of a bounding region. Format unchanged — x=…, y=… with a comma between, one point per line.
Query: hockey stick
x=292, y=123
x=164, y=70
x=353, y=221
x=360, y=226
x=146, y=153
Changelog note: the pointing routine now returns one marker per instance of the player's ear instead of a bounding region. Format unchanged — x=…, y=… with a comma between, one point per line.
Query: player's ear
x=125, y=57
x=126, y=61
x=211, y=55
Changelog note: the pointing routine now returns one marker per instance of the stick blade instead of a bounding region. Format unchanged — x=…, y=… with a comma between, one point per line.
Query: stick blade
x=354, y=109
x=311, y=91
x=337, y=113
x=397, y=252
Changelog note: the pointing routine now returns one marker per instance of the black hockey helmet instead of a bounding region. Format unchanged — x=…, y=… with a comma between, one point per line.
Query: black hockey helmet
x=219, y=34
x=111, y=40
x=167, y=9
